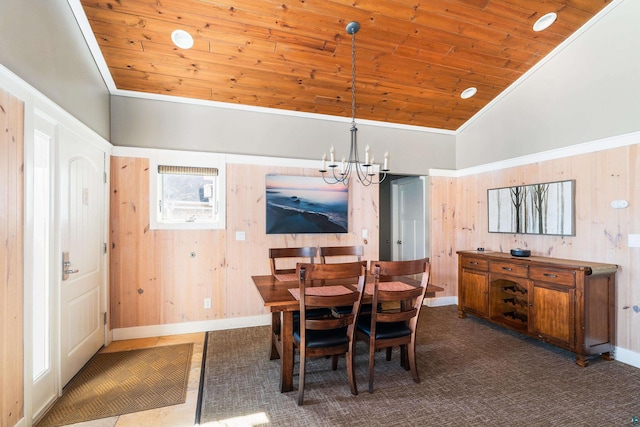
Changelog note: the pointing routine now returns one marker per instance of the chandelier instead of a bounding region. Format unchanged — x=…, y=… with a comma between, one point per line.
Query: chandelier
x=367, y=170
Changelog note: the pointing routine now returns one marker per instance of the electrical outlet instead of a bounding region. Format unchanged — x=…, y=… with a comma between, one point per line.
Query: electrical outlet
x=634, y=240
x=207, y=303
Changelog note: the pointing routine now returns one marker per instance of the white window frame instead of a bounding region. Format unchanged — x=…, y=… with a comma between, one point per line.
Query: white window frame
x=190, y=159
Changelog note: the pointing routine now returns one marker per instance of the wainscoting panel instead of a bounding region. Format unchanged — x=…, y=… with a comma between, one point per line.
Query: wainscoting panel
x=154, y=279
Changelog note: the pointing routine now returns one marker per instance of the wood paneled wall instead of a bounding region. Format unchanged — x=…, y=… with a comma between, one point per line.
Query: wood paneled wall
x=153, y=278
x=459, y=222
x=11, y=259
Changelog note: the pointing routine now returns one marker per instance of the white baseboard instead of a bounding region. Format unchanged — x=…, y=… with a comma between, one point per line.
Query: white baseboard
x=189, y=327
x=441, y=301
x=627, y=356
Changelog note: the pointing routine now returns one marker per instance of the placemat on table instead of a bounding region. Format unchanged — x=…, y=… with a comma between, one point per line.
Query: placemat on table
x=387, y=286
x=289, y=277
x=329, y=291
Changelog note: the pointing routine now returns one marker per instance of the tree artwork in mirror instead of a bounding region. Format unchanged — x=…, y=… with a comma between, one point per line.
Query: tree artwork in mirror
x=546, y=208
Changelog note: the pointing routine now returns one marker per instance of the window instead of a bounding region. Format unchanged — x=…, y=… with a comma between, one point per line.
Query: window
x=187, y=195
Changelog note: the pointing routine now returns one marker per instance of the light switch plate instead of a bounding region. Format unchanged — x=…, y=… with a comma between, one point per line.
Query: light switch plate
x=240, y=235
x=634, y=240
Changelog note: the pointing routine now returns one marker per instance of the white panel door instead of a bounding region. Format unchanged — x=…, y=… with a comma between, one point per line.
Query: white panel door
x=408, y=218
x=81, y=216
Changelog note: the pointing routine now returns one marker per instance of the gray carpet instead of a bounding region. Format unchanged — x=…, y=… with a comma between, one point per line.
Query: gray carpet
x=472, y=374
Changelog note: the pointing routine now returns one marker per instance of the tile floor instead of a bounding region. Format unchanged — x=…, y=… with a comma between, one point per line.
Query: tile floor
x=169, y=416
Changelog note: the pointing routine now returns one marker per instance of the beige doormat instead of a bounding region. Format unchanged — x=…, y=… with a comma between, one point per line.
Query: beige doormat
x=123, y=382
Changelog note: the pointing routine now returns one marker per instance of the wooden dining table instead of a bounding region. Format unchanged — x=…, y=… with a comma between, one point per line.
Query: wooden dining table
x=274, y=291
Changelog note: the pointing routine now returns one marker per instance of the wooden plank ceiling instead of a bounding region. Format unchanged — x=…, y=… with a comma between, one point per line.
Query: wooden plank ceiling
x=413, y=58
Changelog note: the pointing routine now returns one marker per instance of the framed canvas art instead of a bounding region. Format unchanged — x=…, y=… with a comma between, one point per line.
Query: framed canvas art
x=305, y=204
x=546, y=208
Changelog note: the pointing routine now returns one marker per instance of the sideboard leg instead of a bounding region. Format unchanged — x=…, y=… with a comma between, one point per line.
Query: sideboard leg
x=608, y=356
x=461, y=314
x=582, y=360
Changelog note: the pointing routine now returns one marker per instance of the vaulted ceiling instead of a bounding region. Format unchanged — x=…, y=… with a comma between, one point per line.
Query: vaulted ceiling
x=413, y=58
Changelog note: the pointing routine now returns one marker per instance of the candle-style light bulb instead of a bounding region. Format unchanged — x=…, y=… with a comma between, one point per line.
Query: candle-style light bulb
x=386, y=161
x=332, y=151
x=324, y=161
x=366, y=155
x=344, y=164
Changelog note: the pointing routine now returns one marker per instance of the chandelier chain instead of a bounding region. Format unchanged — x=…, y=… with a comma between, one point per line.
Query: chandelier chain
x=353, y=78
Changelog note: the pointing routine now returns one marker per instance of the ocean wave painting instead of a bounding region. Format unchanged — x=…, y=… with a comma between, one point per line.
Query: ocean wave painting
x=303, y=204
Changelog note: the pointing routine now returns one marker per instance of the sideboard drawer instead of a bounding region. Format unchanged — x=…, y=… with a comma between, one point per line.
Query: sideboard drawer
x=475, y=263
x=545, y=274
x=518, y=270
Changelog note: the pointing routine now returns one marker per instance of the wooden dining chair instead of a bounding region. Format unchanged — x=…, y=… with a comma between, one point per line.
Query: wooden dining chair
x=290, y=257
x=328, y=335
x=394, y=322
x=343, y=252
x=283, y=267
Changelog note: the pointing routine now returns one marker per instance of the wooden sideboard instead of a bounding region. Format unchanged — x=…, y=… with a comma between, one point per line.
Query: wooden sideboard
x=570, y=304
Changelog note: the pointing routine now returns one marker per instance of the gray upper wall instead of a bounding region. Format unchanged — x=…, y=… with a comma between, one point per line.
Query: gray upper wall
x=168, y=125
x=589, y=91
x=40, y=41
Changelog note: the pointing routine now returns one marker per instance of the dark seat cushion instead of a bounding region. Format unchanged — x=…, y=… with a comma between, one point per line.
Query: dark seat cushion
x=383, y=330
x=313, y=312
x=321, y=338
x=346, y=309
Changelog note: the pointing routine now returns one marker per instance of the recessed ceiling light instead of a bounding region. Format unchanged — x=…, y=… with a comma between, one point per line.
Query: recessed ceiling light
x=182, y=39
x=468, y=92
x=545, y=21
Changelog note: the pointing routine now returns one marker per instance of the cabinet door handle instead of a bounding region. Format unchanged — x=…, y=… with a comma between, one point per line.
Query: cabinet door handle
x=550, y=275
x=473, y=263
x=507, y=268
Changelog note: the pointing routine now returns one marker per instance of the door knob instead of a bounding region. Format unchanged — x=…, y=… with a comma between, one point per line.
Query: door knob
x=66, y=266
x=399, y=242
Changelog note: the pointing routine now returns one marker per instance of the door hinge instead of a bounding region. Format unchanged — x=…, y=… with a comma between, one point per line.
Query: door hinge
x=104, y=317
x=105, y=177
x=104, y=248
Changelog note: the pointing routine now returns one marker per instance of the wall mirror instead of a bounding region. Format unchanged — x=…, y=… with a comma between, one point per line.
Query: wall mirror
x=546, y=208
